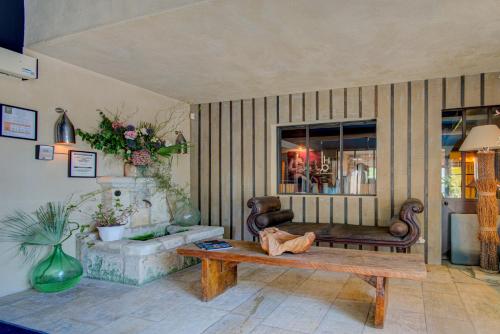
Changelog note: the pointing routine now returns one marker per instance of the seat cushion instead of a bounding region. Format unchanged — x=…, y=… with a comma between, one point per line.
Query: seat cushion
x=342, y=233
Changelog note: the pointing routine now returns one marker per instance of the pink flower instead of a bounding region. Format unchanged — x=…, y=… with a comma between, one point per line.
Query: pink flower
x=141, y=158
x=130, y=135
x=117, y=125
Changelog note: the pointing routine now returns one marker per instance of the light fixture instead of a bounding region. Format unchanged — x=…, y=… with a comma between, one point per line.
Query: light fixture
x=64, y=131
x=181, y=140
x=484, y=139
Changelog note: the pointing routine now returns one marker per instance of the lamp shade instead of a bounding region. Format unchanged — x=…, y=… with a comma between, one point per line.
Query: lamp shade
x=64, y=131
x=482, y=137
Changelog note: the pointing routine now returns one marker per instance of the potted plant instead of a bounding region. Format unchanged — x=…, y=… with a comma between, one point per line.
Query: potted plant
x=110, y=222
x=139, y=146
x=48, y=227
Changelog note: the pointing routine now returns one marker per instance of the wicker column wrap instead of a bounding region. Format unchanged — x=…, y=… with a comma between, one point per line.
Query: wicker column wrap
x=487, y=210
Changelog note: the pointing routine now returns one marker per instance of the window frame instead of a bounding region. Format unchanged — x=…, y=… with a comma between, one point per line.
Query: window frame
x=307, y=126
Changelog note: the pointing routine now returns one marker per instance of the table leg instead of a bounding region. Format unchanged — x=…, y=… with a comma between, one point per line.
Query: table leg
x=381, y=300
x=216, y=277
x=381, y=285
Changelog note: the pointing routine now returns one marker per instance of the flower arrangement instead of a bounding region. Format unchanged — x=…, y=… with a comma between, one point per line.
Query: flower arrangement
x=140, y=145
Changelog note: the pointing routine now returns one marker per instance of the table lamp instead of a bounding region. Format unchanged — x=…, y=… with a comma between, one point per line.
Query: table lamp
x=484, y=139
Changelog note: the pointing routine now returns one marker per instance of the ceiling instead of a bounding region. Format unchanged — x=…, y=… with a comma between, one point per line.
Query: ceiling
x=216, y=50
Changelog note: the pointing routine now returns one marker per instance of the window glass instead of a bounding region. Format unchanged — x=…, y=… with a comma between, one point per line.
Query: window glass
x=334, y=158
x=292, y=172
x=359, y=159
x=451, y=157
x=324, y=157
x=473, y=117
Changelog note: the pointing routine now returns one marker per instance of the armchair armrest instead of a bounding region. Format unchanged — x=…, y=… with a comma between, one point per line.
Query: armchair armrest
x=266, y=212
x=408, y=214
x=274, y=218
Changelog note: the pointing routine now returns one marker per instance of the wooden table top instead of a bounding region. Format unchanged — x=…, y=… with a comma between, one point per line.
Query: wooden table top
x=369, y=263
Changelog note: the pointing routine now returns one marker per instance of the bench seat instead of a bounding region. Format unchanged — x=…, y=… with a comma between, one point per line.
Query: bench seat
x=401, y=232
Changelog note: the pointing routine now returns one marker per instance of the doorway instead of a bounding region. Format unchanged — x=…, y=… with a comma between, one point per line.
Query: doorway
x=459, y=169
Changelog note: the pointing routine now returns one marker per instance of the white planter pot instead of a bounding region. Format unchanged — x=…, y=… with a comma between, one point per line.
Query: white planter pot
x=111, y=233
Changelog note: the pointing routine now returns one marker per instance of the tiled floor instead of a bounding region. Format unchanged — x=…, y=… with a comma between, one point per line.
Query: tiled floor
x=266, y=300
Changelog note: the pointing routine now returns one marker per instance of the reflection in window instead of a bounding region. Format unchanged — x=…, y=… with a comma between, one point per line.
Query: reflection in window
x=335, y=158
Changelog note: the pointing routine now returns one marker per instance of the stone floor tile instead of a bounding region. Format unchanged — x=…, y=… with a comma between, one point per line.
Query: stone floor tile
x=112, y=309
x=187, y=319
x=443, y=305
x=235, y=296
x=331, y=277
x=487, y=326
x=155, y=310
x=15, y=297
x=408, y=290
x=438, y=325
x=317, y=289
x=357, y=289
x=11, y=313
x=463, y=275
x=125, y=325
x=262, y=273
x=482, y=307
x=438, y=273
x=298, y=313
x=405, y=302
x=485, y=290
x=398, y=322
x=191, y=274
x=262, y=329
x=290, y=279
x=262, y=303
x=54, y=323
x=431, y=287
x=344, y=316
x=405, y=283
x=233, y=324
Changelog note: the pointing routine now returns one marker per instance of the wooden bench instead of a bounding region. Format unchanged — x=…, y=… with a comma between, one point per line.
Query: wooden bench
x=219, y=268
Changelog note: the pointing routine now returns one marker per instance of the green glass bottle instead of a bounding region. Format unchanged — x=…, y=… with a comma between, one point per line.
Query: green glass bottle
x=57, y=272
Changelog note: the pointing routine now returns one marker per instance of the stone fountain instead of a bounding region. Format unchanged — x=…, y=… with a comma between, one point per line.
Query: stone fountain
x=133, y=261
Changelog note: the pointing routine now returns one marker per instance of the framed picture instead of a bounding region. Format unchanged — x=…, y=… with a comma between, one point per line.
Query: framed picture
x=18, y=122
x=82, y=164
x=44, y=152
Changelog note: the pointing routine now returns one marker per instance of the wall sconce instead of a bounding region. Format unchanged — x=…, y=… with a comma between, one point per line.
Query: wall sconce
x=181, y=140
x=64, y=131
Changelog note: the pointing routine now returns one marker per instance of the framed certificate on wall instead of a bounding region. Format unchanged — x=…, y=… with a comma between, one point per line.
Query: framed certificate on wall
x=82, y=164
x=18, y=122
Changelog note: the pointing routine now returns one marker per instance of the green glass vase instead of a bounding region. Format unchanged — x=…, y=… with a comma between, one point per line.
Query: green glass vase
x=57, y=272
x=187, y=215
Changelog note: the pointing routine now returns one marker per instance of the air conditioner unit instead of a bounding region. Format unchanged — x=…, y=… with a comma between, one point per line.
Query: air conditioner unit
x=18, y=65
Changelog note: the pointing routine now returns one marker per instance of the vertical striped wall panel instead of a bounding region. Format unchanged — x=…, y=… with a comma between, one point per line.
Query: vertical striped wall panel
x=232, y=155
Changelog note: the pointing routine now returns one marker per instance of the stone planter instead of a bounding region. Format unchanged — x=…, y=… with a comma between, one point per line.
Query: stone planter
x=137, y=262
x=111, y=233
